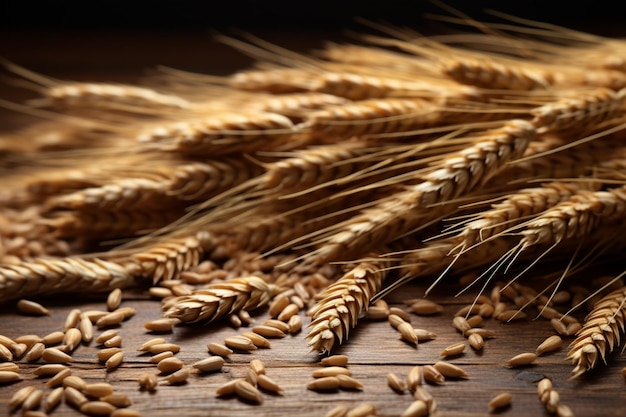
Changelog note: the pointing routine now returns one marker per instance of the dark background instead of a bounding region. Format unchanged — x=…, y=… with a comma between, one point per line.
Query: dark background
x=95, y=39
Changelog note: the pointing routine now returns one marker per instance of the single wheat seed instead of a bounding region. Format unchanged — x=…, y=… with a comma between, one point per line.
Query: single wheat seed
x=210, y=364
x=501, y=400
x=335, y=360
x=521, y=360
x=395, y=383
x=31, y=307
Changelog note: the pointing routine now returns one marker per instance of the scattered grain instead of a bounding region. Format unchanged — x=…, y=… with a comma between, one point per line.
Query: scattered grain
x=20, y=395
x=432, y=375
x=282, y=326
x=331, y=371
x=348, y=382
x=11, y=367
x=33, y=400
x=295, y=324
x=53, y=338
x=35, y=353
x=417, y=408
x=328, y=383
x=74, y=381
x=145, y=347
x=53, y=399
x=74, y=397
x=269, y=331
x=31, y=307
x=227, y=388
x=414, y=378
x=258, y=340
x=114, y=299
x=148, y=382
x=160, y=356
x=170, y=365
x=461, y=324
x=395, y=383
x=160, y=325
x=476, y=341
x=106, y=335
x=362, y=410
x=407, y=332
x=426, y=307
x=105, y=354
x=114, y=361
x=58, y=378
x=248, y=392
x=239, y=343
x=501, y=400
x=335, y=360
x=54, y=355
x=218, y=349
x=521, y=360
x=449, y=370
x=210, y=364
x=114, y=318
x=97, y=389
x=5, y=353
x=178, y=377
x=551, y=344
x=163, y=347
x=115, y=341
x=453, y=350
x=118, y=400
x=97, y=408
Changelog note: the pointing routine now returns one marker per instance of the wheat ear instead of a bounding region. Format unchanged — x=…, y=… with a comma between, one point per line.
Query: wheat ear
x=601, y=332
x=221, y=299
x=456, y=175
x=48, y=276
x=341, y=304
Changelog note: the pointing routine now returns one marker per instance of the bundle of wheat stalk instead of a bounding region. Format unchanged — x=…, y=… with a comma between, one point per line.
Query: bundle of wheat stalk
x=339, y=175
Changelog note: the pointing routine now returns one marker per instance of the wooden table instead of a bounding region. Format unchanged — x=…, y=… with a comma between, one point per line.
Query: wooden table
x=374, y=349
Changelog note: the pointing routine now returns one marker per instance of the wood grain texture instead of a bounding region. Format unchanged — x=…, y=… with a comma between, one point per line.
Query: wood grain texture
x=374, y=349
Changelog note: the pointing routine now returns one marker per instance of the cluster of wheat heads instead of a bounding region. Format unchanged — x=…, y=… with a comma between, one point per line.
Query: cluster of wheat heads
x=337, y=176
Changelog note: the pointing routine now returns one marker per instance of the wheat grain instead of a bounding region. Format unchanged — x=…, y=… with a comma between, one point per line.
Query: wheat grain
x=395, y=383
x=449, y=370
x=218, y=349
x=335, y=360
x=53, y=399
x=9, y=366
x=20, y=396
x=521, y=360
x=248, y=392
x=211, y=364
x=501, y=400
x=329, y=383
x=74, y=397
x=117, y=400
x=31, y=307
x=98, y=389
x=160, y=356
x=170, y=365
x=148, y=382
x=417, y=408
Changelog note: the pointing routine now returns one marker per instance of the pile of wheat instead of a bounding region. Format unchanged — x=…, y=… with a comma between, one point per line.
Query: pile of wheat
x=336, y=176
